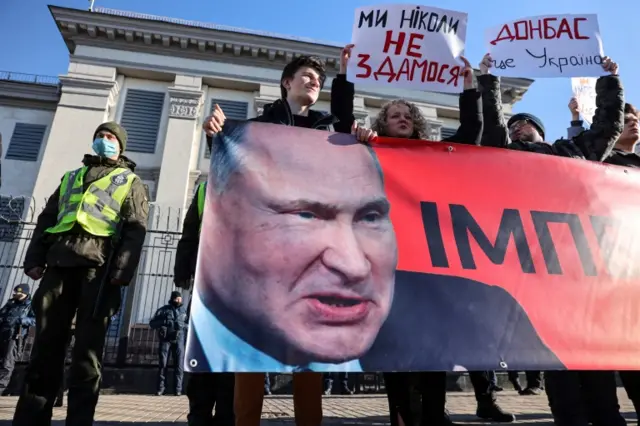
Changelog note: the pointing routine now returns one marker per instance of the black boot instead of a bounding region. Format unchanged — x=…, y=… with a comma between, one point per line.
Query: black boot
x=347, y=391
x=531, y=391
x=492, y=411
x=58, y=402
x=447, y=420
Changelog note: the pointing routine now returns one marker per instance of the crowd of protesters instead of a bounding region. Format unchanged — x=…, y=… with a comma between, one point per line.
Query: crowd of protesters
x=575, y=398
x=85, y=247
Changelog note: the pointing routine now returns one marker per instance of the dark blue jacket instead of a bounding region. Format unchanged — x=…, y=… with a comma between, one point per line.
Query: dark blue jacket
x=16, y=316
x=171, y=322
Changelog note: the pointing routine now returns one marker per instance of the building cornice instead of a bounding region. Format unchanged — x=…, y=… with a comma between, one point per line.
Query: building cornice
x=76, y=25
x=128, y=31
x=29, y=95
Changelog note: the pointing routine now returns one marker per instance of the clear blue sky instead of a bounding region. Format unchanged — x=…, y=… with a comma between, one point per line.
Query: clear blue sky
x=32, y=44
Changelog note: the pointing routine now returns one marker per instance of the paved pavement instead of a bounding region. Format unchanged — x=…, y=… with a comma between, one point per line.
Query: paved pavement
x=364, y=410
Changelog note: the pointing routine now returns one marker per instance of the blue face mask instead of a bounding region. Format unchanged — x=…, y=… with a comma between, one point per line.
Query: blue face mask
x=104, y=147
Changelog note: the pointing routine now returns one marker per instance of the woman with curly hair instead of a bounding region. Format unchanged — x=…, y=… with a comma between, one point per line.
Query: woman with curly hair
x=400, y=118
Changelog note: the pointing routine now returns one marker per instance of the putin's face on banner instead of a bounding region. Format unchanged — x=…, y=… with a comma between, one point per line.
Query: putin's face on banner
x=300, y=254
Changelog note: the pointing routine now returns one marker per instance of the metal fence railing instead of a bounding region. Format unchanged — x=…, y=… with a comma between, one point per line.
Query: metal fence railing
x=29, y=78
x=129, y=340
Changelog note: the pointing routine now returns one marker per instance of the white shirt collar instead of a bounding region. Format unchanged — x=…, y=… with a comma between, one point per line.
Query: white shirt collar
x=226, y=352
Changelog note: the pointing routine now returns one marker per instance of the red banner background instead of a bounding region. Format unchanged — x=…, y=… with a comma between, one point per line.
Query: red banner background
x=590, y=322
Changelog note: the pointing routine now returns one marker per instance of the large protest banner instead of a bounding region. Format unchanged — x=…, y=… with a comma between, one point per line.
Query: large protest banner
x=547, y=46
x=318, y=253
x=408, y=46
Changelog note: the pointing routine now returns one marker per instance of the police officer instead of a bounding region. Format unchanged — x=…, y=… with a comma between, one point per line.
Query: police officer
x=204, y=390
x=15, y=319
x=171, y=323
x=86, y=245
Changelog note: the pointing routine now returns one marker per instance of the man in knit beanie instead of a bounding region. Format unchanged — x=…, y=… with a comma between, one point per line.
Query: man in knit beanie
x=526, y=127
x=91, y=232
x=105, y=138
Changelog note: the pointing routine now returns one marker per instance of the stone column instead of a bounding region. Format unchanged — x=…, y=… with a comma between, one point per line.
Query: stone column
x=180, y=147
x=434, y=124
x=167, y=212
x=88, y=91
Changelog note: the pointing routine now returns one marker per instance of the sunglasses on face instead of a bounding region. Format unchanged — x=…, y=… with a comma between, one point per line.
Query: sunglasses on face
x=518, y=124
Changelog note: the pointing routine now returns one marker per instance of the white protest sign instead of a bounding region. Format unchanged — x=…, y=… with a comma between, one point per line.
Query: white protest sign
x=408, y=46
x=584, y=90
x=547, y=46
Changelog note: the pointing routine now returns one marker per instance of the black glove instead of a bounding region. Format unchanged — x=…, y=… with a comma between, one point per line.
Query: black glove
x=163, y=332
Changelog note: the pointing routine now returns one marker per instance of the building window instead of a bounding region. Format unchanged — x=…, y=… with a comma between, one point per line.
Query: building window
x=233, y=110
x=447, y=132
x=11, y=211
x=25, y=142
x=141, y=117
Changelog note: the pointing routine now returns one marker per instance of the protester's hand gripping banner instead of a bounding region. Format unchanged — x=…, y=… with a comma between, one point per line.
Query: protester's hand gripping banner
x=318, y=253
x=408, y=46
x=547, y=46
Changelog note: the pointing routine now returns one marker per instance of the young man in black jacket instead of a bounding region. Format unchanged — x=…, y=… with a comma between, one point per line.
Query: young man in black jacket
x=300, y=86
x=624, y=150
x=525, y=132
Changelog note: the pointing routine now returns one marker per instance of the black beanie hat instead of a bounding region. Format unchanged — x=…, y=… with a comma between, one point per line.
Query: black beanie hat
x=22, y=288
x=117, y=130
x=175, y=295
x=529, y=117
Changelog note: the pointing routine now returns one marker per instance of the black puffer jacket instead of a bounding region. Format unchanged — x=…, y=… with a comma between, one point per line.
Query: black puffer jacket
x=171, y=321
x=16, y=316
x=470, y=104
x=617, y=157
x=279, y=112
x=594, y=144
x=184, y=267
x=77, y=248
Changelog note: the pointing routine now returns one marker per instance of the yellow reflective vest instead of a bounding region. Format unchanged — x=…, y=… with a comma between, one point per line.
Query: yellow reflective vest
x=201, y=194
x=96, y=210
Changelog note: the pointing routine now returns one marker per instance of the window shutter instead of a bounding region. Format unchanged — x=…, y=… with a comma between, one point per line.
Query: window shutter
x=447, y=132
x=233, y=110
x=141, y=117
x=26, y=141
